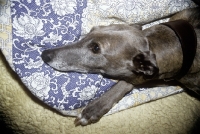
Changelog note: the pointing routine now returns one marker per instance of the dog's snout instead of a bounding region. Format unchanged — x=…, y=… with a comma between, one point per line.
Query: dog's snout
x=47, y=56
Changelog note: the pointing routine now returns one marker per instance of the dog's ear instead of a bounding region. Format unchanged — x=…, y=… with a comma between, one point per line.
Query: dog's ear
x=145, y=63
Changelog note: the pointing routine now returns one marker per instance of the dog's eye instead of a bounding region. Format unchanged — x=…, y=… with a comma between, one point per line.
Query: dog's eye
x=95, y=48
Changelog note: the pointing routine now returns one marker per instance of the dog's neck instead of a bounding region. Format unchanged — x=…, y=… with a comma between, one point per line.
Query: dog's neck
x=188, y=39
x=166, y=43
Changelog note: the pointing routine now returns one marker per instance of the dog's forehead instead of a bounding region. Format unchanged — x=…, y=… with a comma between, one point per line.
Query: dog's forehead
x=117, y=30
x=116, y=35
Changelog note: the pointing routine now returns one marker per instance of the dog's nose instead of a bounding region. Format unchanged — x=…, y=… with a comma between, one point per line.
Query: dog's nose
x=47, y=56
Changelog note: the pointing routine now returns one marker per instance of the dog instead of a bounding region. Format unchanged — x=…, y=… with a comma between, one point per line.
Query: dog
x=135, y=57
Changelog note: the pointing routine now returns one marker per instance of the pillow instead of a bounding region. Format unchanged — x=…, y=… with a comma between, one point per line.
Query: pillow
x=39, y=25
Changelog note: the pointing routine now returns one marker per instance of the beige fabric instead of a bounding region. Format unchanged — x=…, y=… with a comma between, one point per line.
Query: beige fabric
x=25, y=114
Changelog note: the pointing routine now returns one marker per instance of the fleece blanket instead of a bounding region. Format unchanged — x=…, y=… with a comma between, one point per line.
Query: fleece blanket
x=39, y=25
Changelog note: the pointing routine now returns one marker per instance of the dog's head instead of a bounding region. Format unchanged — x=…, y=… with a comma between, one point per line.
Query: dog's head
x=115, y=50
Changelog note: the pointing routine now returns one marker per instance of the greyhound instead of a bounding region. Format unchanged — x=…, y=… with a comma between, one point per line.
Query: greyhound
x=131, y=55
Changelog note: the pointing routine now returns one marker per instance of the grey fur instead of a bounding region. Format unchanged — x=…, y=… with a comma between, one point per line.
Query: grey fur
x=130, y=55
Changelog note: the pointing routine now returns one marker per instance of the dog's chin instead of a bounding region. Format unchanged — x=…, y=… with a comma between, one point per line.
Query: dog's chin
x=71, y=70
x=96, y=71
x=86, y=71
x=68, y=69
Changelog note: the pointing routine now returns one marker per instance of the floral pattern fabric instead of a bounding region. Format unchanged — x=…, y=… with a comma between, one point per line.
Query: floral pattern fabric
x=39, y=25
